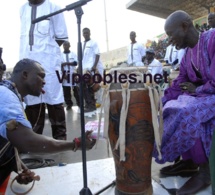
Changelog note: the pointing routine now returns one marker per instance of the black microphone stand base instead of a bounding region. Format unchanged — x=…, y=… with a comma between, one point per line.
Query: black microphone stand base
x=112, y=184
x=85, y=191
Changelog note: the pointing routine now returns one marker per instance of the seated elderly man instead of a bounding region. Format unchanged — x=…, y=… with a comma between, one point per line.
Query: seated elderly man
x=189, y=104
x=15, y=129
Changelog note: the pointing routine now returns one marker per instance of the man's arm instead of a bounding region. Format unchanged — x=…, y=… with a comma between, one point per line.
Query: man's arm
x=174, y=91
x=143, y=51
x=70, y=63
x=60, y=28
x=209, y=86
x=97, y=53
x=28, y=141
x=166, y=57
x=96, y=62
x=181, y=53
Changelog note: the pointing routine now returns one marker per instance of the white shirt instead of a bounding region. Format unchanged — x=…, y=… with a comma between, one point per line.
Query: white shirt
x=135, y=53
x=44, y=48
x=90, y=50
x=69, y=69
x=155, y=67
x=176, y=54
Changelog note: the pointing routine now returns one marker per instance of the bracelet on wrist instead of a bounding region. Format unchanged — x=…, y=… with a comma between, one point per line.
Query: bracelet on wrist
x=77, y=144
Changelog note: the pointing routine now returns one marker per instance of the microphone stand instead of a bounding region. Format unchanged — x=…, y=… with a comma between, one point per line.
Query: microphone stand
x=85, y=191
x=79, y=12
x=67, y=8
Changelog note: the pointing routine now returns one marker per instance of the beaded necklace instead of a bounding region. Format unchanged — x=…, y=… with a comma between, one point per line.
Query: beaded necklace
x=197, y=65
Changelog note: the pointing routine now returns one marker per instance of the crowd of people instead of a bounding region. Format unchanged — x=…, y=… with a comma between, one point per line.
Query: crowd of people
x=188, y=112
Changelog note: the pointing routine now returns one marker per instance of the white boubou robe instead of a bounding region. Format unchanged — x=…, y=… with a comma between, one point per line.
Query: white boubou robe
x=38, y=42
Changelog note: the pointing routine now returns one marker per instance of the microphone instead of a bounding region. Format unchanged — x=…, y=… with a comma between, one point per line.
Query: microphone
x=77, y=4
x=68, y=8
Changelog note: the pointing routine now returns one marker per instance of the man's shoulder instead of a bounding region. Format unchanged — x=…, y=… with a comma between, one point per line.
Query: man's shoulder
x=7, y=90
x=44, y=4
x=92, y=42
x=6, y=94
x=155, y=62
x=208, y=34
x=169, y=47
x=23, y=6
x=54, y=5
x=138, y=43
x=129, y=46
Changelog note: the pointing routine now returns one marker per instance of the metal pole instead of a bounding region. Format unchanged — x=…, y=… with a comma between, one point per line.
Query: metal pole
x=106, y=27
x=85, y=190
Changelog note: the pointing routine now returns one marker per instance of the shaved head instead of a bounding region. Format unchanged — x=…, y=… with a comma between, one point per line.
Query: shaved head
x=26, y=65
x=133, y=36
x=28, y=76
x=180, y=30
x=177, y=18
x=133, y=33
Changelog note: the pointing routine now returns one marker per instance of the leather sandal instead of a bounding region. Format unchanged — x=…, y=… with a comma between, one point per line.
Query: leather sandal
x=181, y=168
x=196, y=183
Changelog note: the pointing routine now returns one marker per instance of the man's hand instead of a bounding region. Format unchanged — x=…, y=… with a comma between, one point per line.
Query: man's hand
x=93, y=69
x=26, y=177
x=88, y=141
x=188, y=87
x=63, y=64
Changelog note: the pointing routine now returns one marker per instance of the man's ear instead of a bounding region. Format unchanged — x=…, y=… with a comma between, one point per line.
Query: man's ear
x=24, y=75
x=185, y=26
